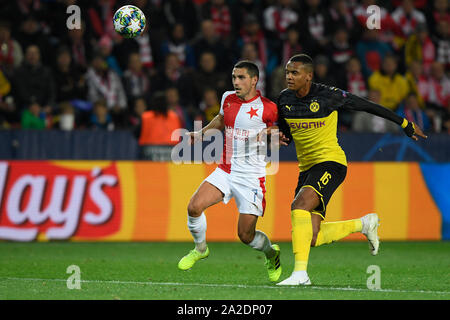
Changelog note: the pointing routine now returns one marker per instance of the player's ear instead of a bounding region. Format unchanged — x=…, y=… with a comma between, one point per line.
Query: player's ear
x=255, y=81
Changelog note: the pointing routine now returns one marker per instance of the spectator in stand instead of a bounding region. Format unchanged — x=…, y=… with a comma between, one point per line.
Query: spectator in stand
x=419, y=47
x=440, y=11
x=66, y=118
x=80, y=47
x=371, y=51
x=33, y=117
x=278, y=17
x=438, y=88
x=159, y=123
x=291, y=46
x=391, y=84
x=219, y=13
x=209, y=40
x=408, y=18
x=411, y=111
x=154, y=11
x=122, y=48
x=173, y=103
x=33, y=82
x=104, y=83
x=442, y=42
x=100, y=117
x=277, y=81
x=145, y=49
x=172, y=74
x=11, y=52
x=71, y=82
x=135, y=119
x=208, y=76
x=314, y=28
x=31, y=33
x=321, y=68
x=252, y=33
x=241, y=9
x=178, y=45
x=210, y=104
x=340, y=14
x=340, y=51
x=136, y=79
x=354, y=81
x=105, y=48
x=417, y=81
x=184, y=12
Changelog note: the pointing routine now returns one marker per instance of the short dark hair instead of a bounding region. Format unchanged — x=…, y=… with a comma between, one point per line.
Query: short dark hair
x=251, y=67
x=303, y=59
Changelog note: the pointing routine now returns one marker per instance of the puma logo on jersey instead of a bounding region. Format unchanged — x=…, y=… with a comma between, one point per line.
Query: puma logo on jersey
x=288, y=107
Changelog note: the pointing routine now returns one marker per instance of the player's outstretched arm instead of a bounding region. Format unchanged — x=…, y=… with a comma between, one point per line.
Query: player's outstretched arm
x=411, y=129
x=217, y=123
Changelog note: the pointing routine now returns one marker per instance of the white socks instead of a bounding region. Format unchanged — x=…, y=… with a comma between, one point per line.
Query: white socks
x=197, y=227
x=262, y=243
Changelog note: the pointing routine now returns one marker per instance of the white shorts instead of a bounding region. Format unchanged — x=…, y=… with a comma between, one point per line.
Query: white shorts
x=248, y=192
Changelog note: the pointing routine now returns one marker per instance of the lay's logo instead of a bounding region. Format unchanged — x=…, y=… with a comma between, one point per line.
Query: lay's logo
x=59, y=200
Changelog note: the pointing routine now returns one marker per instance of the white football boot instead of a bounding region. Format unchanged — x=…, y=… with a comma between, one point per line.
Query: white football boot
x=370, y=223
x=297, y=278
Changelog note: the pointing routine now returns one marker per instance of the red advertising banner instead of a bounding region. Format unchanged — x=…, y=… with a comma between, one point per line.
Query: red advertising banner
x=58, y=201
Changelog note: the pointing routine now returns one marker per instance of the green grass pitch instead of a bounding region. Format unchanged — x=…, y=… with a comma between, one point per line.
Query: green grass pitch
x=408, y=270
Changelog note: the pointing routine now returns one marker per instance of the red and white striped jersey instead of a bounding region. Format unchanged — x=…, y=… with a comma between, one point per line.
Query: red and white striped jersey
x=242, y=154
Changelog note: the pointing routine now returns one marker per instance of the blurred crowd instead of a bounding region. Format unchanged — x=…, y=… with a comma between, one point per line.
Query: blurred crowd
x=175, y=73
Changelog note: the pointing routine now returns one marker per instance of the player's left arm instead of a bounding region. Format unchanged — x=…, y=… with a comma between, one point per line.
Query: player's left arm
x=355, y=103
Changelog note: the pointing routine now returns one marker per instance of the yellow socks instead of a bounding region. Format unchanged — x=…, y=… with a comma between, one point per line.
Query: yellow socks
x=333, y=231
x=301, y=237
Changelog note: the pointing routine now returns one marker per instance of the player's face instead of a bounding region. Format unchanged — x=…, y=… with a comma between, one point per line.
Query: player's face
x=243, y=83
x=297, y=76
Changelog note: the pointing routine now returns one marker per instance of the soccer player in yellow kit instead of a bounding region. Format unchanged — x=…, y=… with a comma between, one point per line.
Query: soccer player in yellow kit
x=308, y=115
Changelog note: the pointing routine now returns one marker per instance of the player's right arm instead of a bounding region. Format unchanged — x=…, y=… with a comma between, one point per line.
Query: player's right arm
x=217, y=123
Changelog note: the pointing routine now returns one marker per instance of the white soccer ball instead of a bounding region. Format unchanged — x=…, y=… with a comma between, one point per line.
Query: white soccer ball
x=129, y=21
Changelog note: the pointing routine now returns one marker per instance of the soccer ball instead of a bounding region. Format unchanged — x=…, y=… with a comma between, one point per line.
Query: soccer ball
x=129, y=21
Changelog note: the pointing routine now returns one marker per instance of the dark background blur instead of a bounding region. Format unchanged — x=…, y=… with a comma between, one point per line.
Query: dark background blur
x=91, y=78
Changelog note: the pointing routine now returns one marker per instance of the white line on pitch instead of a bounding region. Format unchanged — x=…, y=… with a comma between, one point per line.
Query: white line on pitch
x=231, y=285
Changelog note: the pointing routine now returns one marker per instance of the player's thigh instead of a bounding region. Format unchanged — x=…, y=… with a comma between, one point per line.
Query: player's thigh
x=247, y=227
x=205, y=196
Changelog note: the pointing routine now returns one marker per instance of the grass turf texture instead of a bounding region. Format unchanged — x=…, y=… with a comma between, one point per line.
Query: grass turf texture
x=409, y=270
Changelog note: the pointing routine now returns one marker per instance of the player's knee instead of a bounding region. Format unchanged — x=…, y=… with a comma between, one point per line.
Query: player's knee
x=246, y=236
x=299, y=204
x=194, y=209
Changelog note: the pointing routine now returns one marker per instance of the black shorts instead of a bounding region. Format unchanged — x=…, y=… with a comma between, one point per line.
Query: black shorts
x=324, y=178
